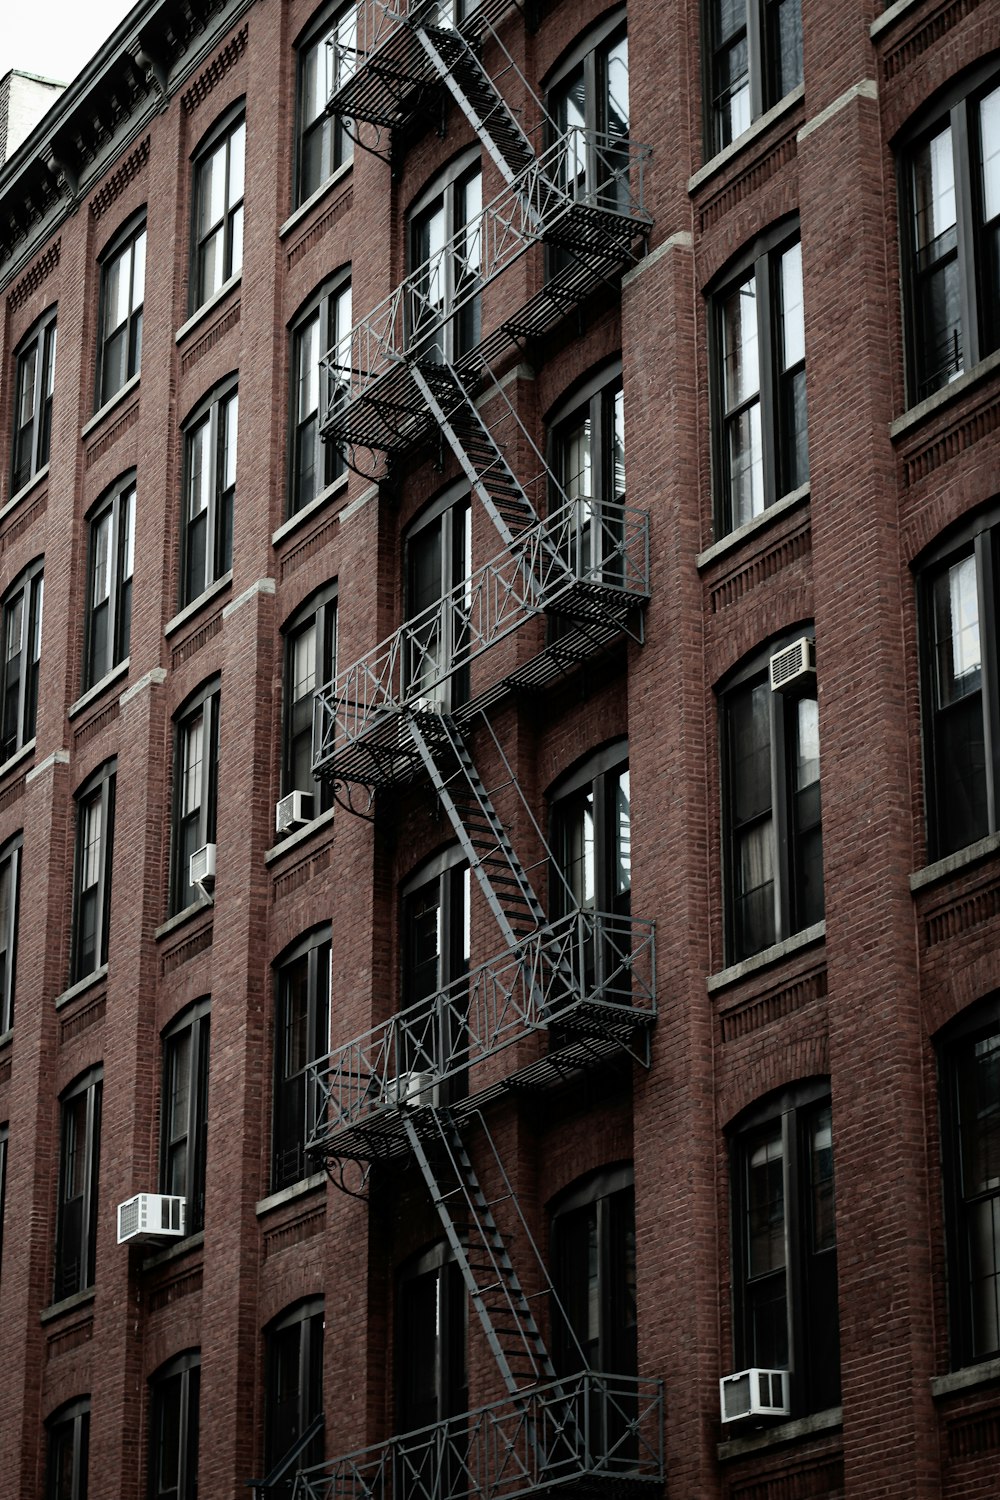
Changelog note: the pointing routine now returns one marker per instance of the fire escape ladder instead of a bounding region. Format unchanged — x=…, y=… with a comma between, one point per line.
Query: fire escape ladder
x=477, y=824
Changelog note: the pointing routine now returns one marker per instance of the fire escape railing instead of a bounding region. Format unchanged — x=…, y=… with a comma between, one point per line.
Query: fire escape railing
x=591, y=1428
x=590, y=974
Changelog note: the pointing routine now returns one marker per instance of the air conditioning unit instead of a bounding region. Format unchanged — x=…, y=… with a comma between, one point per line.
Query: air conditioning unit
x=293, y=811
x=202, y=868
x=754, y=1393
x=152, y=1216
x=793, y=662
x=413, y=1090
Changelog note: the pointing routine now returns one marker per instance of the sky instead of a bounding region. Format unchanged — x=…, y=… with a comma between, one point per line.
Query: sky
x=55, y=38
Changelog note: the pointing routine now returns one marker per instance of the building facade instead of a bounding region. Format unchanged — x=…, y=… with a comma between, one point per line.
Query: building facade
x=471, y=460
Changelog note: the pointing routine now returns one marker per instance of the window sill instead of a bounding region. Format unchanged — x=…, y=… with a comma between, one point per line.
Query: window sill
x=89, y=981
x=300, y=836
x=735, y=148
x=308, y=511
x=203, y=903
x=772, y=955
x=953, y=863
x=174, y=1252
x=891, y=15
x=966, y=1379
x=305, y=209
x=954, y=391
x=119, y=396
x=734, y=539
x=784, y=1432
x=115, y=675
x=25, y=753
x=190, y=610
x=24, y=492
x=207, y=307
x=289, y=1194
x=68, y=1304
x=6, y=1038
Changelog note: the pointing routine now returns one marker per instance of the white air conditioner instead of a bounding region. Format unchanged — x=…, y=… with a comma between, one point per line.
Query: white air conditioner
x=412, y=1090
x=152, y=1216
x=754, y=1393
x=793, y=662
x=293, y=811
x=202, y=868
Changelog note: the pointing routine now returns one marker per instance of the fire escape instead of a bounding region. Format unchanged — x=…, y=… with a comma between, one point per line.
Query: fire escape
x=567, y=996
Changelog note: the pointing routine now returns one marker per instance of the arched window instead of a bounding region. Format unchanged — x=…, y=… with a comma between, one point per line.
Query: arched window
x=174, y=1393
x=110, y=564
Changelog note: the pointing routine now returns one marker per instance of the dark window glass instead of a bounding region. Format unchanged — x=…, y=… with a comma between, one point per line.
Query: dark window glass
x=3, y=1186
x=951, y=234
x=109, y=582
x=22, y=649
x=195, y=789
x=445, y=250
x=588, y=103
x=95, y=829
x=68, y=1452
x=438, y=562
x=784, y=1246
x=754, y=58
x=310, y=663
x=327, y=58
x=173, y=1429
x=80, y=1145
x=321, y=328
x=10, y=883
x=34, y=367
x=773, y=828
x=761, y=437
x=123, y=288
x=970, y=1093
x=431, y=1377
x=435, y=938
x=209, y=490
x=218, y=209
x=302, y=1036
x=184, y=1111
x=588, y=450
x=294, y=1394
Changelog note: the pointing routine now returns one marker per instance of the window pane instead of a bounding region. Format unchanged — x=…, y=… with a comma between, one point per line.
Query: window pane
x=821, y=1180
x=958, y=651
x=785, y=46
x=939, y=351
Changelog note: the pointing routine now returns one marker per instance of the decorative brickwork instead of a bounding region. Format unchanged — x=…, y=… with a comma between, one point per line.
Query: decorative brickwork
x=211, y=337
x=119, y=427
x=193, y=643
x=750, y=1015
x=926, y=35
x=943, y=446
x=33, y=278
x=119, y=181
x=748, y=182
x=173, y=958
x=303, y=1228
x=216, y=71
x=82, y=1020
x=316, y=231
x=760, y=569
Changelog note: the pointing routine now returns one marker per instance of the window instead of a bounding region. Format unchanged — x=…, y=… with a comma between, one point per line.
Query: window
x=22, y=649
x=123, y=287
x=446, y=253
x=173, y=1429
x=784, y=1245
x=950, y=214
x=209, y=488
x=438, y=562
x=109, y=582
x=431, y=1375
x=773, y=831
x=218, y=208
x=754, y=58
x=184, y=1111
x=95, y=830
x=593, y=1249
x=435, y=955
x=195, y=789
x=588, y=450
x=589, y=97
x=294, y=1389
x=34, y=366
x=80, y=1147
x=322, y=327
x=592, y=846
x=759, y=430
x=958, y=596
x=68, y=1452
x=327, y=58
x=970, y=1116
x=10, y=873
x=302, y=1036
x=310, y=663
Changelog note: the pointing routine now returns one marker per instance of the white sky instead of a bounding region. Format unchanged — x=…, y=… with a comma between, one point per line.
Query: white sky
x=55, y=38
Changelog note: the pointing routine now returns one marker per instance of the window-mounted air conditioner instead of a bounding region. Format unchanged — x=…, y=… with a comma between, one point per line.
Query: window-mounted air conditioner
x=293, y=811
x=413, y=1090
x=202, y=868
x=151, y=1216
x=754, y=1393
x=793, y=663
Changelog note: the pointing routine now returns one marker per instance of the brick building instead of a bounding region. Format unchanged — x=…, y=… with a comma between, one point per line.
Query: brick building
x=431, y=472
